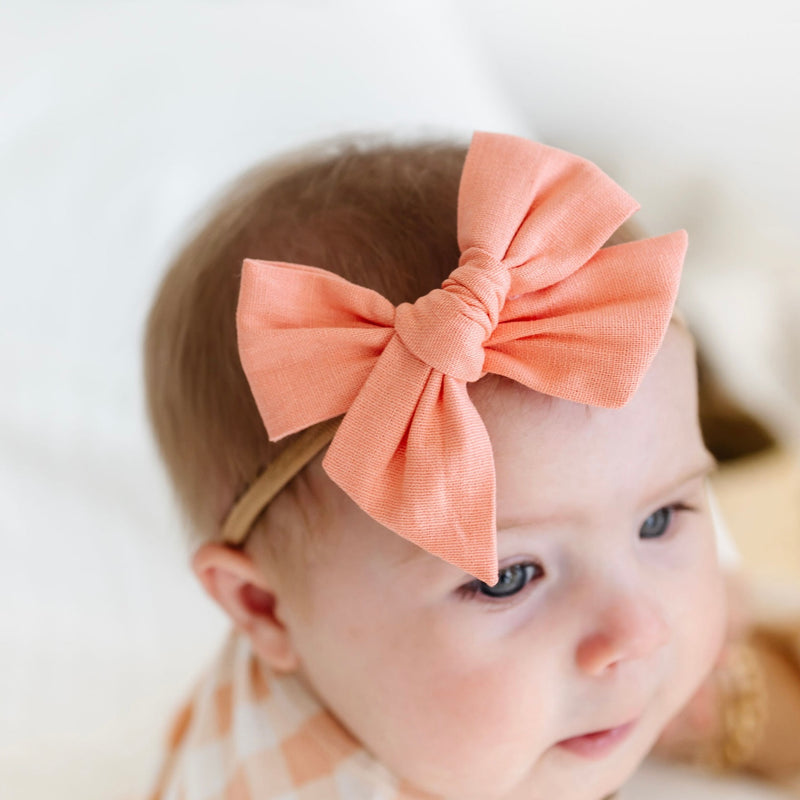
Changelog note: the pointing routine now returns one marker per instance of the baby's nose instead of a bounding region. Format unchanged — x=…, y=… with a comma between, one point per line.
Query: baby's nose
x=626, y=628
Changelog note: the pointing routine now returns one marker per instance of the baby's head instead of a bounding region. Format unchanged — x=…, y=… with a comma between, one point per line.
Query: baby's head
x=609, y=608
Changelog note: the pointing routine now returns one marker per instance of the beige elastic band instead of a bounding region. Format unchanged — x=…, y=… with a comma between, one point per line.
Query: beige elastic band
x=247, y=508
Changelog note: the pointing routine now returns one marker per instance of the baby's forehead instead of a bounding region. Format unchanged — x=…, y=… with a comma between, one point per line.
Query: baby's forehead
x=504, y=393
x=510, y=410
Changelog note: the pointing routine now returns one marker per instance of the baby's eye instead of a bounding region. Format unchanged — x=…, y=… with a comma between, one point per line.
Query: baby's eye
x=658, y=523
x=511, y=580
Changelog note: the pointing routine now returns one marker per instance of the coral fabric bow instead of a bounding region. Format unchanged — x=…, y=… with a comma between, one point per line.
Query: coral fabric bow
x=534, y=298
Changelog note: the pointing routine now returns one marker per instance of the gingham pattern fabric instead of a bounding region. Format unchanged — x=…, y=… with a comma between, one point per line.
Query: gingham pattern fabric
x=248, y=733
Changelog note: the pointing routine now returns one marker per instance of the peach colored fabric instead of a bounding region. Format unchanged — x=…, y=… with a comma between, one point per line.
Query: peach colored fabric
x=533, y=298
x=248, y=733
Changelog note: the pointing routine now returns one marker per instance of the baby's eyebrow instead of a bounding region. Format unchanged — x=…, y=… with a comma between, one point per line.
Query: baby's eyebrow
x=707, y=466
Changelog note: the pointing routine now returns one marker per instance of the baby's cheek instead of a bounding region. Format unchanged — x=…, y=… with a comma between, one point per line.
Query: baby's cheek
x=711, y=611
x=468, y=731
x=703, y=623
x=715, y=627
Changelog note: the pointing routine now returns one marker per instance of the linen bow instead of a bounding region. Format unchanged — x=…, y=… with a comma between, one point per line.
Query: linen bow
x=534, y=298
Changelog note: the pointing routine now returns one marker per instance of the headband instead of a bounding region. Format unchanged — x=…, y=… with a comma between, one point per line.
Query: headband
x=534, y=298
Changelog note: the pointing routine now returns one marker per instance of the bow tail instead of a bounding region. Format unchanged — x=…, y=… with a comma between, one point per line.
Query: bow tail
x=423, y=467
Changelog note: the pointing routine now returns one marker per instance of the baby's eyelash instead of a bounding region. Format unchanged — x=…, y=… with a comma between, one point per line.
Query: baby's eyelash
x=673, y=508
x=473, y=589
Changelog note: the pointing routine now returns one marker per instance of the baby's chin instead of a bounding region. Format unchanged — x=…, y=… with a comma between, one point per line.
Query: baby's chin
x=568, y=776
x=563, y=775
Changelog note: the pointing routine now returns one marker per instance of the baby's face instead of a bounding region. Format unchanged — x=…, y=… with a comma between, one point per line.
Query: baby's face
x=611, y=607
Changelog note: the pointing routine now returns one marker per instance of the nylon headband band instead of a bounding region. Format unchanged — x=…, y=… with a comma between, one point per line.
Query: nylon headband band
x=309, y=443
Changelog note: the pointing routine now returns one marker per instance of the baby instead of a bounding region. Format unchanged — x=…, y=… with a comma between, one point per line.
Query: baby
x=459, y=518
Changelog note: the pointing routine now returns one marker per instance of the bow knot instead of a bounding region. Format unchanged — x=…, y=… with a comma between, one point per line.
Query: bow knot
x=446, y=329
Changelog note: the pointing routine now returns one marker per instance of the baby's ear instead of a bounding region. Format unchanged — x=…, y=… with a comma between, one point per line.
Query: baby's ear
x=245, y=595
